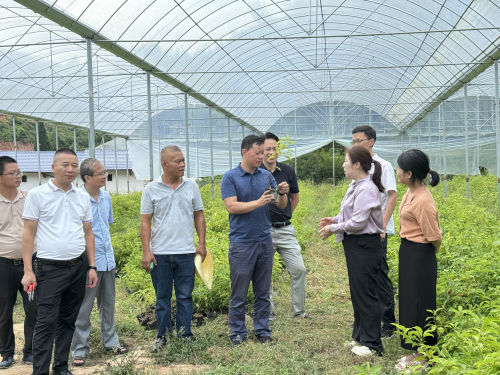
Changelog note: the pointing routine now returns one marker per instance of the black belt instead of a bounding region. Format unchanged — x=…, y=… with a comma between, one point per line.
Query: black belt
x=69, y=262
x=281, y=224
x=16, y=262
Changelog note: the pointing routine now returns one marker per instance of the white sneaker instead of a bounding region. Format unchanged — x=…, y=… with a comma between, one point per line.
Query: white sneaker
x=362, y=351
x=350, y=344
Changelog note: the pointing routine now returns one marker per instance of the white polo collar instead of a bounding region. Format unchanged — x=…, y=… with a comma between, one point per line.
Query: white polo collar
x=55, y=188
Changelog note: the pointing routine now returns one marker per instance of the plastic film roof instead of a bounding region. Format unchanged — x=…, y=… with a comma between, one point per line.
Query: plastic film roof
x=254, y=61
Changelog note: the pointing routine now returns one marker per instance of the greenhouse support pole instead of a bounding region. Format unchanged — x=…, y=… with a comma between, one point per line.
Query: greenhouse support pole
x=186, y=118
x=74, y=144
x=211, y=149
x=150, y=126
x=14, y=132
x=497, y=123
x=242, y=132
x=197, y=159
x=90, y=76
x=430, y=141
x=126, y=164
x=57, y=140
x=229, y=142
x=402, y=142
x=104, y=161
x=477, y=134
x=38, y=154
x=116, y=167
x=444, y=151
x=419, y=128
x=466, y=126
x=295, y=130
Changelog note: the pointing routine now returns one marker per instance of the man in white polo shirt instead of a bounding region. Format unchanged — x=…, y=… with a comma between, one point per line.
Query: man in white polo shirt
x=173, y=202
x=59, y=216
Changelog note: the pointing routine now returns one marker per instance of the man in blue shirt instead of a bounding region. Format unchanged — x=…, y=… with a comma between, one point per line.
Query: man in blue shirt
x=243, y=190
x=94, y=176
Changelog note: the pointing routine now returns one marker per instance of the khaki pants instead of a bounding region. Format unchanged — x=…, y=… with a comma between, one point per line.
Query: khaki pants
x=285, y=243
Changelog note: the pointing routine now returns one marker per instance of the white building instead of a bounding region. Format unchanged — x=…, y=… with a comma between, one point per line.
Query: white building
x=117, y=171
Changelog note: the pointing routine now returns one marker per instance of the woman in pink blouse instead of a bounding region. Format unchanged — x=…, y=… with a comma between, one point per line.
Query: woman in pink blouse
x=358, y=226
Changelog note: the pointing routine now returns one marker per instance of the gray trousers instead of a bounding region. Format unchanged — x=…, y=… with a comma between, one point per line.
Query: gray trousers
x=285, y=243
x=105, y=292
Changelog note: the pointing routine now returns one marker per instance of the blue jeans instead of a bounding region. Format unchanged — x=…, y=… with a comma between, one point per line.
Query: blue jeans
x=176, y=270
x=250, y=262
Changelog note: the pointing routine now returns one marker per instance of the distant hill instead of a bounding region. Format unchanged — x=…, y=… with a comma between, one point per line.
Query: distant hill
x=26, y=135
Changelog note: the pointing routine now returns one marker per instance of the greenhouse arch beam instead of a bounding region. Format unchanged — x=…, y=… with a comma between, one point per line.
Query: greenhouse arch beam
x=478, y=69
x=71, y=24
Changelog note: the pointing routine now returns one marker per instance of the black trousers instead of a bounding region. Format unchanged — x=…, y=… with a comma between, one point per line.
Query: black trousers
x=417, y=287
x=59, y=295
x=385, y=291
x=10, y=283
x=363, y=255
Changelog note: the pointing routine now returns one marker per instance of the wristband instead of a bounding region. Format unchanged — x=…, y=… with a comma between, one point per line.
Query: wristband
x=280, y=193
x=93, y=268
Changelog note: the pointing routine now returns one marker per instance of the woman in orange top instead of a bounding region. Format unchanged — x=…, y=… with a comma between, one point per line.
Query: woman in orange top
x=420, y=241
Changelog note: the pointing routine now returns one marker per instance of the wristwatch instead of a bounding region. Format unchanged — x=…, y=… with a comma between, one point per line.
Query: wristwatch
x=93, y=268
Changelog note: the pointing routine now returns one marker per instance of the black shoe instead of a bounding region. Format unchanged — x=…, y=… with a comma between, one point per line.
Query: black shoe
x=28, y=359
x=265, y=339
x=6, y=362
x=62, y=372
x=237, y=342
x=386, y=333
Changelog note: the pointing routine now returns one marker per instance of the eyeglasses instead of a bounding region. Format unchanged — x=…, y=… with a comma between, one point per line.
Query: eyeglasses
x=13, y=174
x=102, y=174
x=357, y=141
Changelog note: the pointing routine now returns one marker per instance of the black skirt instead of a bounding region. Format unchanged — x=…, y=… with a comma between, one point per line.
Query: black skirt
x=417, y=286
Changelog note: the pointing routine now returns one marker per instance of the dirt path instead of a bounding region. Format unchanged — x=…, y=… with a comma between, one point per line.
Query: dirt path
x=140, y=357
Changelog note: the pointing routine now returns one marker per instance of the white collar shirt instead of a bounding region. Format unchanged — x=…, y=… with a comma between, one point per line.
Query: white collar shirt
x=60, y=217
x=389, y=183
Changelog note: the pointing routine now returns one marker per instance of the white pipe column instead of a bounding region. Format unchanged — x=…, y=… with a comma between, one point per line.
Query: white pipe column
x=116, y=167
x=150, y=126
x=466, y=126
x=90, y=76
x=477, y=134
x=430, y=141
x=419, y=128
x=14, y=132
x=57, y=140
x=296, y=139
x=402, y=142
x=104, y=161
x=126, y=159
x=38, y=154
x=497, y=123
x=197, y=157
x=211, y=149
x=74, y=144
x=242, y=132
x=229, y=142
x=186, y=118
x=443, y=121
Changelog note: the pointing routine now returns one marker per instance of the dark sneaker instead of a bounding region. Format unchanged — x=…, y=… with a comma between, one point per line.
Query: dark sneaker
x=158, y=345
x=386, y=333
x=28, y=359
x=237, y=342
x=265, y=339
x=6, y=362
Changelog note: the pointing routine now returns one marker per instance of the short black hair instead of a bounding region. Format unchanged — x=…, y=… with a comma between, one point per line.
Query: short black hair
x=65, y=150
x=270, y=135
x=250, y=140
x=87, y=168
x=5, y=160
x=370, y=133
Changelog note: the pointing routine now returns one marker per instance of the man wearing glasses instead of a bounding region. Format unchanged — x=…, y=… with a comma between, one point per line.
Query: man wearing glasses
x=94, y=177
x=11, y=263
x=365, y=136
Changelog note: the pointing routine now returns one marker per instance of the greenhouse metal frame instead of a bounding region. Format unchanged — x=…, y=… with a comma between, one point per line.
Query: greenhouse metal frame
x=203, y=74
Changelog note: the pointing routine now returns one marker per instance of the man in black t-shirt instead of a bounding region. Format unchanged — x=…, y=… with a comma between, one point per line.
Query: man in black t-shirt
x=282, y=231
